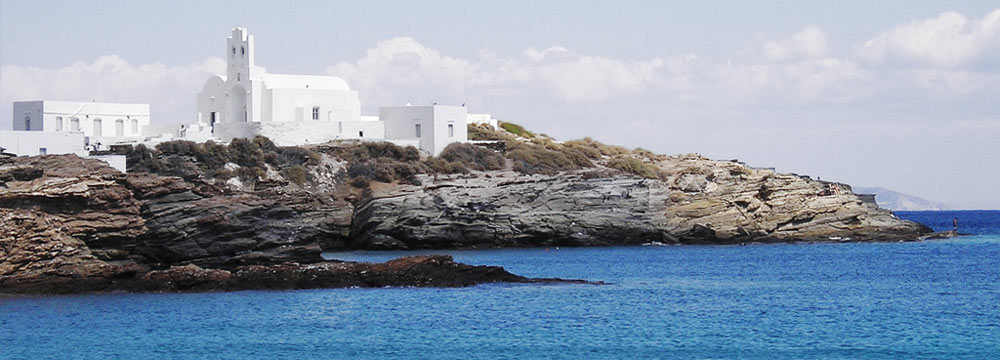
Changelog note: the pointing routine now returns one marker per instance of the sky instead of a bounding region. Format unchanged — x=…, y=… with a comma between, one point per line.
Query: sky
x=897, y=94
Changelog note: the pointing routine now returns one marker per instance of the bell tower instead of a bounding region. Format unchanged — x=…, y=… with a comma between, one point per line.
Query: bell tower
x=241, y=76
x=239, y=57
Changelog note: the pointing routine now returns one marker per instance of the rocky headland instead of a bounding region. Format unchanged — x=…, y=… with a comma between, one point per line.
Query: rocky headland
x=250, y=215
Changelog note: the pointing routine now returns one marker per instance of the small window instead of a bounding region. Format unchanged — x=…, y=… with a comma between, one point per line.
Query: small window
x=59, y=123
x=418, y=130
x=27, y=122
x=234, y=50
x=451, y=130
x=361, y=134
x=74, y=124
x=340, y=127
x=237, y=76
x=243, y=50
x=98, y=128
x=315, y=112
x=119, y=127
x=135, y=126
x=43, y=151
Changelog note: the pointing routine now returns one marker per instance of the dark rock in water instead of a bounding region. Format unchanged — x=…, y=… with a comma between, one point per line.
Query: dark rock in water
x=942, y=235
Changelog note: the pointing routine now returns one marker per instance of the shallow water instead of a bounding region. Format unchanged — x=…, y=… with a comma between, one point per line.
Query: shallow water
x=934, y=299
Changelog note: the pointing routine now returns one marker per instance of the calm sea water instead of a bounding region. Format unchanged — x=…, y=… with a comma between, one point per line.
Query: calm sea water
x=935, y=299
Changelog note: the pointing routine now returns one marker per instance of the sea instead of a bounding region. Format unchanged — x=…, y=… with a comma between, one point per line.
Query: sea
x=936, y=299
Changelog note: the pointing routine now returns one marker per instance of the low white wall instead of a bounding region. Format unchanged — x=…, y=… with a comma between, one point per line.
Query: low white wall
x=29, y=143
x=484, y=119
x=115, y=161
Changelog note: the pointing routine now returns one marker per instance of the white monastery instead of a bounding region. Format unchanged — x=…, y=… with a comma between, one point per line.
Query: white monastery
x=243, y=103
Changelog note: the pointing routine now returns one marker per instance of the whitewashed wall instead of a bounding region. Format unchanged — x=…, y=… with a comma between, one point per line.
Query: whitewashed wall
x=29, y=143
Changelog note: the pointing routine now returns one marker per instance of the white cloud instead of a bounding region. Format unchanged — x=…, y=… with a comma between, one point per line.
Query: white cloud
x=170, y=90
x=948, y=40
x=402, y=70
x=808, y=43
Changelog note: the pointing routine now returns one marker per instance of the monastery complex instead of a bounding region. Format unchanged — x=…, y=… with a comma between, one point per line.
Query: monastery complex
x=244, y=102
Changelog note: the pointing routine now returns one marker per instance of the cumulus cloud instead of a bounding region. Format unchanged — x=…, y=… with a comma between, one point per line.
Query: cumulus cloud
x=170, y=90
x=948, y=40
x=809, y=43
x=403, y=70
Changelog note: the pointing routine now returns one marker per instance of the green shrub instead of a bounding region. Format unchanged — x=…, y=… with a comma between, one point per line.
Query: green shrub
x=486, y=132
x=536, y=159
x=473, y=157
x=296, y=174
x=294, y=155
x=634, y=166
x=442, y=166
x=516, y=129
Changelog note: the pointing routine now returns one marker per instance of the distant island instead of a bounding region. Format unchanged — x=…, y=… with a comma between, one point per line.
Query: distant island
x=897, y=201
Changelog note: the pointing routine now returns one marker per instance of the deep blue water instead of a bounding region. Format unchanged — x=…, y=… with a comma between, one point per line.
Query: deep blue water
x=934, y=299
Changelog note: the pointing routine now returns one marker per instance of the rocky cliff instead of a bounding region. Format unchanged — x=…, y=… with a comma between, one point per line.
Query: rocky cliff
x=234, y=221
x=74, y=225
x=696, y=201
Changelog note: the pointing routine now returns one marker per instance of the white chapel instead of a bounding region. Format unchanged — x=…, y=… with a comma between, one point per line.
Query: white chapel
x=290, y=109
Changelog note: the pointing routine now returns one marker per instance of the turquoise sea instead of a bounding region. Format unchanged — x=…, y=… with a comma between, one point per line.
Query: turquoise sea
x=932, y=299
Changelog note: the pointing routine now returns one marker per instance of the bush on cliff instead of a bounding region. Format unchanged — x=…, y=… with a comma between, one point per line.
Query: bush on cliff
x=516, y=129
x=631, y=165
x=473, y=157
x=191, y=160
x=486, y=132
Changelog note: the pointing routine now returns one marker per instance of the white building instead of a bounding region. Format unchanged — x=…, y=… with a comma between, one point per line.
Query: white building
x=31, y=143
x=243, y=103
x=289, y=109
x=433, y=126
x=99, y=122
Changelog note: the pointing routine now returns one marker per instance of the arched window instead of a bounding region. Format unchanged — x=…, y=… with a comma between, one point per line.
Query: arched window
x=74, y=124
x=119, y=127
x=98, y=124
x=59, y=123
x=315, y=112
x=135, y=126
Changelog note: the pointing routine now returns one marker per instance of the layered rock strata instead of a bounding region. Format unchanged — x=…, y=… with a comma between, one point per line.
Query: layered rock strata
x=696, y=201
x=73, y=225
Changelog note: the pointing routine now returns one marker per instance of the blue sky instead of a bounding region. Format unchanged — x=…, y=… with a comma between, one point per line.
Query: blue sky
x=901, y=94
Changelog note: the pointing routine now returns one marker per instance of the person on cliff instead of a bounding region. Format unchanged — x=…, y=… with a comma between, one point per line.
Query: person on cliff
x=954, y=224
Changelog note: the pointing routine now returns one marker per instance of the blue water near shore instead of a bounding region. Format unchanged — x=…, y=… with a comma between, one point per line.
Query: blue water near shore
x=932, y=299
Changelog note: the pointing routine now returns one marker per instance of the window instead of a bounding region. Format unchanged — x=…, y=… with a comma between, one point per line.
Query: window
x=451, y=130
x=135, y=126
x=243, y=50
x=361, y=134
x=340, y=127
x=97, y=128
x=27, y=122
x=59, y=123
x=119, y=127
x=237, y=76
x=418, y=130
x=74, y=124
x=234, y=51
x=43, y=151
x=315, y=112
